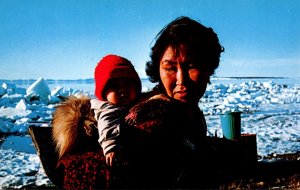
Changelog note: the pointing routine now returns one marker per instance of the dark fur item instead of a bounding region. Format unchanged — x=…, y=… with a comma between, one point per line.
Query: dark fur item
x=74, y=126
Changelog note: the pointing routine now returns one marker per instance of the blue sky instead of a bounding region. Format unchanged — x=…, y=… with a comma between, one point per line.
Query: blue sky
x=64, y=39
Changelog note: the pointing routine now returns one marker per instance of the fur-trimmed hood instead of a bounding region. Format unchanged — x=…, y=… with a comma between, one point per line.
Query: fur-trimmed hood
x=74, y=126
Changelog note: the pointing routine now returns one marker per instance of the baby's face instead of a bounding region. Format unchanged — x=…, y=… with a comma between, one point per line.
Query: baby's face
x=121, y=91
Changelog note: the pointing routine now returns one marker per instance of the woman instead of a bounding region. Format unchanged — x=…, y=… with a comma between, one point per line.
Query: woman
x=183, y=58
x=164, y=140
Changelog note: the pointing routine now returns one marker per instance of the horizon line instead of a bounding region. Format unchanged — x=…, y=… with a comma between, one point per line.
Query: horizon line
x=145, y=78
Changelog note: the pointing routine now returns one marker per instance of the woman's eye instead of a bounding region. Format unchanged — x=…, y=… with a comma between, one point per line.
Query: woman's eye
x=170, y=69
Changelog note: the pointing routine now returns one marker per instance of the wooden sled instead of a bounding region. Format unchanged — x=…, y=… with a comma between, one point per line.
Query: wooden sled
x=43, y=143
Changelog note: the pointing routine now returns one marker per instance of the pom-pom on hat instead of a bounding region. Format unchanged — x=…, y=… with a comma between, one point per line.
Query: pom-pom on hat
x=111, y=67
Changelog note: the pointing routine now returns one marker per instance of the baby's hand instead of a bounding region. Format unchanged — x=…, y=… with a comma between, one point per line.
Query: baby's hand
x=111, y=159
x=116, y=159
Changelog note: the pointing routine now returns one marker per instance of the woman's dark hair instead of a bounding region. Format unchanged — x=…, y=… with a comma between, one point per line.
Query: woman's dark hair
x=200, y=40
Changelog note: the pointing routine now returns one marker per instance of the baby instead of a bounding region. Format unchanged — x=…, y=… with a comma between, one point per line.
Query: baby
x=117, y=86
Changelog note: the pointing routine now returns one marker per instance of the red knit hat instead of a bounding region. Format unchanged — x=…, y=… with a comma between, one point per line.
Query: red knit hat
x=110, y=67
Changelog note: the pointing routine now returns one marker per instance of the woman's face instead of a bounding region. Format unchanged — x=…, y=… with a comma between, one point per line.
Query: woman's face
x=182, y=76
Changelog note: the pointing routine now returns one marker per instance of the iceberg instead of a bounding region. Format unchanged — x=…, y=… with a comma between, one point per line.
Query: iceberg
x=39, y=89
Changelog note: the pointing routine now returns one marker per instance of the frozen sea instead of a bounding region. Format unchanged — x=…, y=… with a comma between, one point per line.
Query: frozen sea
x=270, y=109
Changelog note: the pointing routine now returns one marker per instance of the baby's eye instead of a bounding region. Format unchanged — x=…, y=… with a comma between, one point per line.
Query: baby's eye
x=193, y=66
